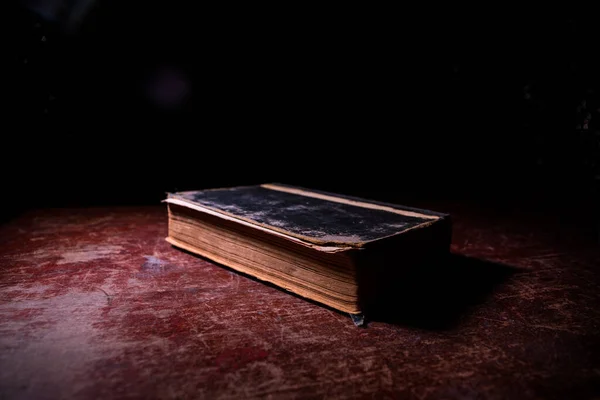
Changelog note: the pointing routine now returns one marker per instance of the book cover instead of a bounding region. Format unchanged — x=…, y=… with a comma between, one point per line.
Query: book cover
x=315, y=217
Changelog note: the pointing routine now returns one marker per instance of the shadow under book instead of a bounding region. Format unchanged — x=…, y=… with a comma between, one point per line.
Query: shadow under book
x=340, y=251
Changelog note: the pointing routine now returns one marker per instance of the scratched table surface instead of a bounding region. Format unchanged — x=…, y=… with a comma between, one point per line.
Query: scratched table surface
x=95, y=304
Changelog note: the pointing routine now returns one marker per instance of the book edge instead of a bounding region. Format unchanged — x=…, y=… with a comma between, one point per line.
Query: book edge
x=240, y=268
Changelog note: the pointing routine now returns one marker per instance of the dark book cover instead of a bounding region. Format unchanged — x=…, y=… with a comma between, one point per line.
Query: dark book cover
x=315, y=217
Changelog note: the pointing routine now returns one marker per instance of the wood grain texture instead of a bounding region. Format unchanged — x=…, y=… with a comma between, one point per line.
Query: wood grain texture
x=95, y=304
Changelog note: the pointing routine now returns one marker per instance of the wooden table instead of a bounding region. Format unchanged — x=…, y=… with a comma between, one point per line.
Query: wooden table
x=95, y=304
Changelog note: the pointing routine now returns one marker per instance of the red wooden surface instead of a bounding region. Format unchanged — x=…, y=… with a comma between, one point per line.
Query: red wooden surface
x=95, y=304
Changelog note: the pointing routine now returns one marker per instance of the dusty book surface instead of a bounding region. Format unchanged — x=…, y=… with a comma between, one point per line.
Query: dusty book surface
x=312, y=216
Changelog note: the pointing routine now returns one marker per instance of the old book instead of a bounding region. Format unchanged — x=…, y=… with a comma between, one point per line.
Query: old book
x=337, y=250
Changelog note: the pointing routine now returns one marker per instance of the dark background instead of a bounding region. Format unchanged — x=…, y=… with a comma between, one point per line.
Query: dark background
x=476, y=106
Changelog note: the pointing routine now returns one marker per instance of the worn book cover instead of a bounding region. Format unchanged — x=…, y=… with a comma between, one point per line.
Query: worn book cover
x=307, y=241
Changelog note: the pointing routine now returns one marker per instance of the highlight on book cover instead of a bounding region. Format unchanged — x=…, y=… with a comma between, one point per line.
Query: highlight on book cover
x=330, y=248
